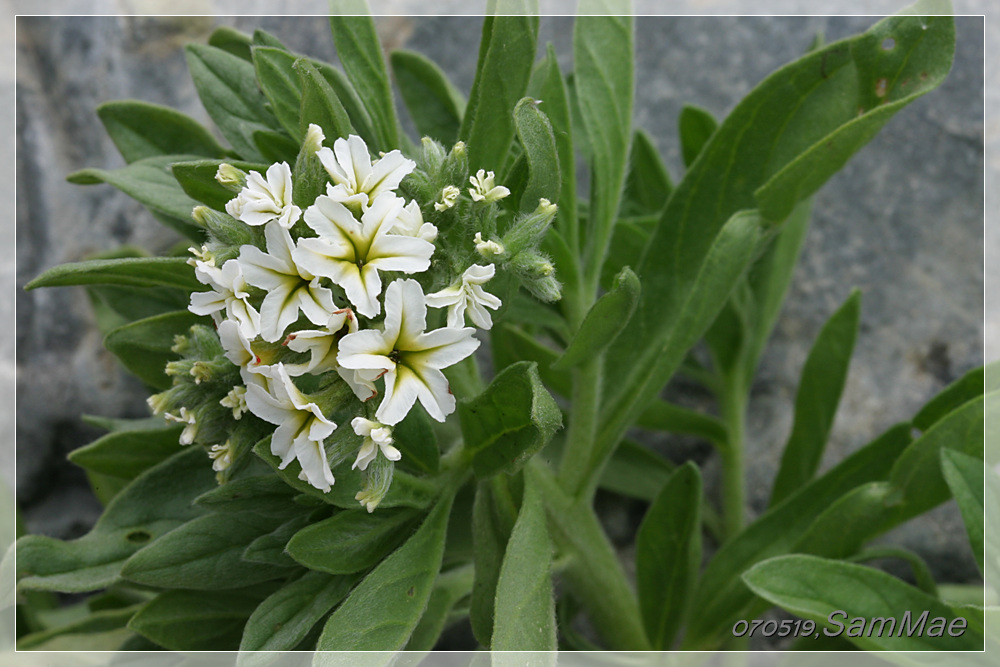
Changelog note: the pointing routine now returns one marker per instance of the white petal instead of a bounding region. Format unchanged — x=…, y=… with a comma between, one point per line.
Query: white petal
x=442, y=348
x=387, y=173
x=400, y=253
x=433, y=392
x=312, y=458
x=401, y=389
x=365, y=349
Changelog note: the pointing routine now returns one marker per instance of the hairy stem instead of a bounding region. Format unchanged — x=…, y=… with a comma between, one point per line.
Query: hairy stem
x=733, y=401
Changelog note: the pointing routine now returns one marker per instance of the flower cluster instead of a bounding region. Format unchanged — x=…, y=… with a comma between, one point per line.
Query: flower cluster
x=320, y=302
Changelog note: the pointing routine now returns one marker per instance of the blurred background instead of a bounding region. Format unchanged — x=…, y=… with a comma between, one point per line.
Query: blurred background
x=903, y=222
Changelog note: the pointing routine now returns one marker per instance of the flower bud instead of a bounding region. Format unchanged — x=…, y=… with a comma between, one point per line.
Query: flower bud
x=433, y=155
x=456, y=166
x=537, y=274
x=309, y=176
x=529, y=231
x=377, y=482
x=226, y=229
x=230, y=177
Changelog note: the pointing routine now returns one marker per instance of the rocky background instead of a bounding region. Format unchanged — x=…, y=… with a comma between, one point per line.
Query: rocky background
x=903, y=222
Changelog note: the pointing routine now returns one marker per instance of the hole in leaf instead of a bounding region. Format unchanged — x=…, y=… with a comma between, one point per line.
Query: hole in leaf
x=888, y=44
x=138, y=537
x=881, y=87
x=411, y=592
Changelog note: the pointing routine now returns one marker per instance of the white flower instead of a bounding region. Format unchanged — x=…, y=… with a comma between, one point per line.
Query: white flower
x=410, y=222
x=449, y=195
x=314, y=138
x=321, y=344
x=289, y=287
x=377, y=437
x=230, y=294
x=185, y=417
x=467, y=293
x=356, y=179
x=487, y=248
x=302, y=428
x=222, y=456
x=262, y=201
x=236, y=400
x=351, y=253
x=239, y=351
x=411, y=358
x=483, y=188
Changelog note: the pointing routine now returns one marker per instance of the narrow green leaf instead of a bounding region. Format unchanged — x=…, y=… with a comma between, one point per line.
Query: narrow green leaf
x=636, y=471
x=126, y=454
x=270, y=548
x=435, y=105
x=204, y=554
x=489, y=537
x=320, y=104
x=196, y=620
x=921, y=571
x=664, y=416
x=511, y=344
x=953, y=396
x=823, y=377
x=414, y=437
x=286, y=616
x=603, y=322
x=668, y=555
x=348, y=96
x=648, y=184
x=965, y=476
x=155, y=503
x=117, y=305
x=265, y=494
x=141, y=130
x=143, y=347
x=539, y=143
x=383, y=610
x=816, y=588
x=360, y=54
x=351, y=541
x=275, y=146
x=102, y=625
x=131, y=271
x=227, y=86
x=280, y=85
x=197, y=179
x=510, y=421
x=525, y=615
x=450, y=587
x=506, y=54
x=232, y=41
x=696, y=126
x=264, y=38
x=626, y=248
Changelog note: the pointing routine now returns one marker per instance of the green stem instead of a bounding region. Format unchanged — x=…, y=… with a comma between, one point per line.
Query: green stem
x=578, y=456
x=733, y=406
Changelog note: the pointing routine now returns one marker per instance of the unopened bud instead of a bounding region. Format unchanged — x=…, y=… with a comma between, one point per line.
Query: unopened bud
x=230, y=177
x=377, y=482
x=528, y=232
x=223, y=227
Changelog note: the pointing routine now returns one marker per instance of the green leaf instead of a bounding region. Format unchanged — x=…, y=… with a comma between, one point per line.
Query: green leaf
x=722, y=597
x=360, y=54
x=150, y=182
x=275, y=146
x=648, y=184
x=664, y=416
x=356, y=111
x=130, y=271
x=539, y=143
x=450, y=587
x=636, y=471
x=205, y=554
x=435, y=105
x=506, y=54
x=383, y=610
x=627, y=245
x=197, y=179
x=921, y=572
x=524, y=618
x=232, y=41
x=155, y=503
x=668, y=555
x=815, y=588
x=266, y=495
x=264, y=38
x=103, y=626
x=196, y=620
x=143, y=347
x=227, y=86
x=511, y=344
x=603, y=62
x=823, y=377
x=603, y=322
x=351, y=541
x=696, y=126
x=117, y=305
x=320, y=104
x=490, y=532
x=959, y=392
x=965, y=476
x=127, y=454
x=280, y=85
x=414, y=437
x=270, y=548
x=286, y=616
x=141, y=130
x=510, y=421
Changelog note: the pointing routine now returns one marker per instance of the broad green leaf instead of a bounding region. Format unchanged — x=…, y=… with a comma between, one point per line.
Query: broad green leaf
x=320, y=104
x=511, y=344
x=636, y=471
x=280, y=85
x=603, y=322
x=664, y=416
x=264, y=38
x=815, y=588
x=965, y=476
x=286, y=616
x=360, y=54
x=383, y=610
x=435, y=105
x=506, y=54
x=196, y=620
x=921, y=572
x=627, y=244
x=141, y=130
x=266, y=495
x=823, y=377
x=104, y=626
x=348, y=96
x=270, y=548
x=352, y=540
x=722, y=597
x=668, y=555
x=117, y=305
x=150, y=182
x=127, y=454
x=155, y=503
x=227, y=86
x=275, y=146
x=524, y=617
x=696, y=126
x=539, y=143
x=510, y=421
x=205, y=554
x=491, y=529
x=143, y=347
x=414, y=437
x=129, y=271
x=197, y=179
x=648, y=184
x=951, y=397
x=232, y=41
x=450, y=587
x=603, y=62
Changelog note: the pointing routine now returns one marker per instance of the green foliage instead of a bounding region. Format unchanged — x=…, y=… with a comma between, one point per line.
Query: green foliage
x=181, y=620
x=144, y=347
x=435, y=105
x=141, y=130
